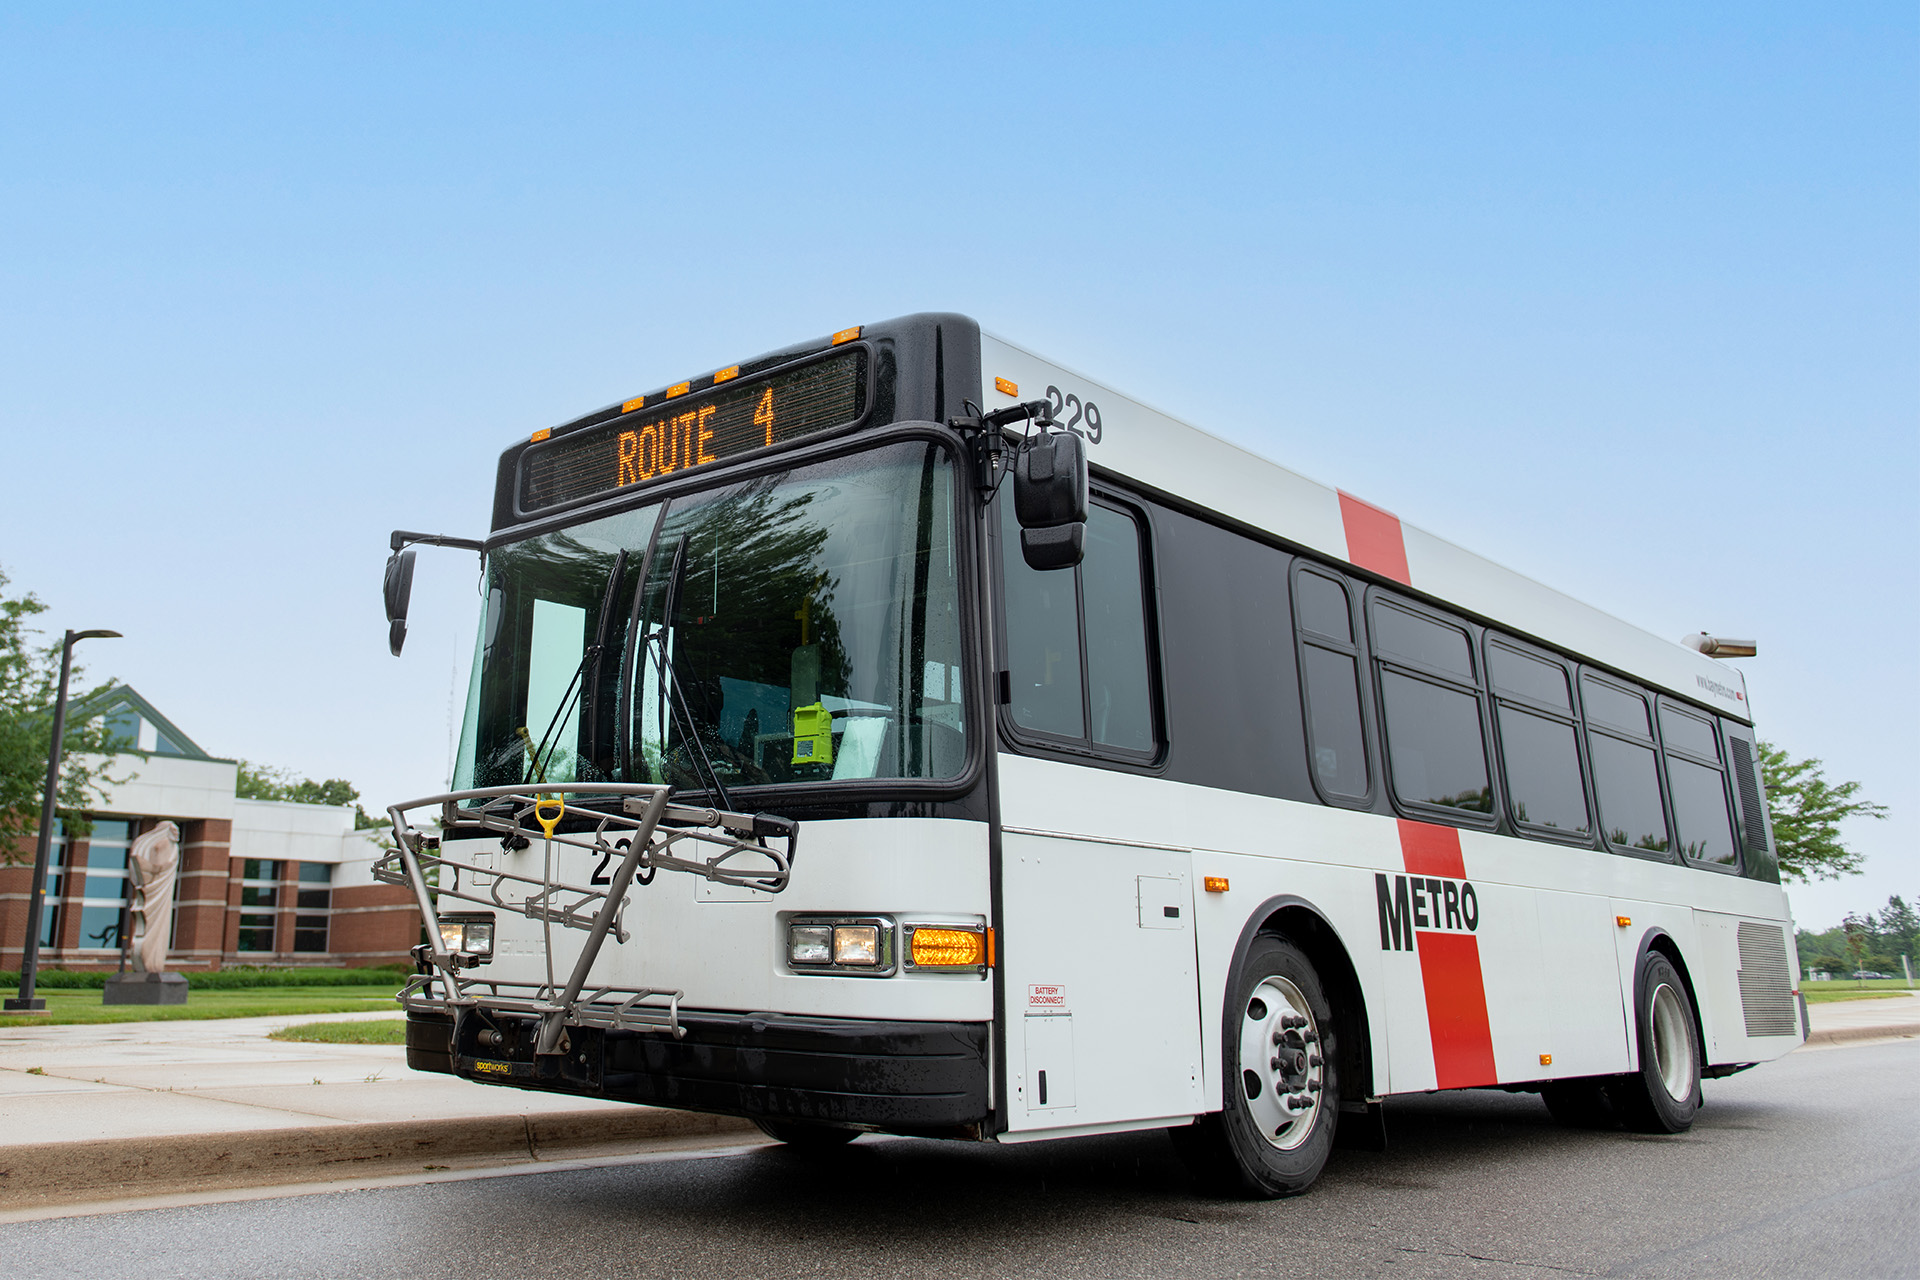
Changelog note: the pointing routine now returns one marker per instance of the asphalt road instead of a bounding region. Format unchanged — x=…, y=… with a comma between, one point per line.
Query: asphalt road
x=1805, y=1167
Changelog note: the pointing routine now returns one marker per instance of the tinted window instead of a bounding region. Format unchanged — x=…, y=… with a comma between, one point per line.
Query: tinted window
x=1530, y=677
x=1120, y=698
x=1043, y=641
x=1406, y=635
x=1435, y=750
x=1323, y=606
x=1333, y=707
x=1543, y=770
x=1616, y=708
x=1627, y=784
x=1682, y=732
x=1700, y=811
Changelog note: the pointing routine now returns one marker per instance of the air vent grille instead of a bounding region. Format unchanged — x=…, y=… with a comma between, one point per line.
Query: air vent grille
x=1766, y=991
x=1752, y=813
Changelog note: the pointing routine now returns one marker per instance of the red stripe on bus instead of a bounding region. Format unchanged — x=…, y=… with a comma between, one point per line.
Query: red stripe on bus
x=1374, y=540
x=1455, y=989
x=1456, y=1010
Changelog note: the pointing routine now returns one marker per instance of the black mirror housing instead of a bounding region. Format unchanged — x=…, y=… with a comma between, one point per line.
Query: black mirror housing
x=1050, y=480
x=398, y=591
x=1061, y=547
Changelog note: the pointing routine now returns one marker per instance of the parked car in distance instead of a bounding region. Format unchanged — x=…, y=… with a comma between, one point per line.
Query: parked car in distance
x=1869, y=973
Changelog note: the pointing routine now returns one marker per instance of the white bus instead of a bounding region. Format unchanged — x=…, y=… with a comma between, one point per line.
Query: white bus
x=790, y=788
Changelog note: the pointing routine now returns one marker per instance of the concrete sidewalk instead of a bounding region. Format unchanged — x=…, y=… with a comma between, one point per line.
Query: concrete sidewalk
x=139, y=1108
x=131, y=1109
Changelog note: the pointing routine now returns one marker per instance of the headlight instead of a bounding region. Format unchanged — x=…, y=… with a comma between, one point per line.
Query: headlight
x=852, y=945
x=468, y=936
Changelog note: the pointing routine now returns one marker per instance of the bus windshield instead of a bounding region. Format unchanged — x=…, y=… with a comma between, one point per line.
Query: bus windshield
x=798, y=627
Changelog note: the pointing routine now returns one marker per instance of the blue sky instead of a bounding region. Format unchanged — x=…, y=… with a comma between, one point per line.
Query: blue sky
x=1626, y=297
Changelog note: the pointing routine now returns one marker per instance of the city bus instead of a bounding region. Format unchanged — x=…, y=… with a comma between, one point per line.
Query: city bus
x=901, y=733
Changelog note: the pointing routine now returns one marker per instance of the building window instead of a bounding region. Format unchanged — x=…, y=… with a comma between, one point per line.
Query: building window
x=313, y=902
x=103, y=885
x=50, y=905
x=259, y=896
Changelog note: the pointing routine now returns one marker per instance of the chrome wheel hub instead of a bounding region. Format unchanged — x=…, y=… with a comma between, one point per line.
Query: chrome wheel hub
x=1673, y=1055
x=1282, y=1075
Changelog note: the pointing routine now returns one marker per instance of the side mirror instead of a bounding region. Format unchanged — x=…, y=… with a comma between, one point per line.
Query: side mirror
x=399, y=590
x=1050, y=499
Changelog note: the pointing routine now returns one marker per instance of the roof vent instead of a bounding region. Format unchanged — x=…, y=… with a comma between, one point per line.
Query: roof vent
x=1717, y=647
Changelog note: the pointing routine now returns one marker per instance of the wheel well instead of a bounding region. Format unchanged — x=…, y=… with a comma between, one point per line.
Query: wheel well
x=1666, y=946
x=1309, y=931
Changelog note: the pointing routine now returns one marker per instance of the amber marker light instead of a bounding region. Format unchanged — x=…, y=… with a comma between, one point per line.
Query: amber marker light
x=934, y=948
x=727, y=374
x=1216, y=884
x=1546, y=1059
x=628, y=406
x=846, y=335
x=542, y=434
x=1006, y=386
x=1623, y=921
x=678, y=389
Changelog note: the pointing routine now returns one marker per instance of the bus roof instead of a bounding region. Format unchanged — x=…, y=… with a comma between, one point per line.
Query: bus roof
x=1157, y=450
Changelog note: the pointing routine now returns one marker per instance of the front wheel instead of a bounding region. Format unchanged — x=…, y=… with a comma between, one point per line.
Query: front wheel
x=1664, y=1095
x=1280, y=1075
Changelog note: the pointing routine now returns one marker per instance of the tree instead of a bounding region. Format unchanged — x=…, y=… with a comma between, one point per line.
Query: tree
x=263, y=782
x=29, y=683
x=1807, y=811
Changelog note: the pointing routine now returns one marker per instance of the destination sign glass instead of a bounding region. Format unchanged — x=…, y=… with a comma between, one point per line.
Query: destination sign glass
x=695, y=431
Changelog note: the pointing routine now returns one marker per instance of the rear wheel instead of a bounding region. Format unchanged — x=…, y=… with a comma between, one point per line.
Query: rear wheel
x=1664, y=1095
x=1281, y=1076
x=805, y=1135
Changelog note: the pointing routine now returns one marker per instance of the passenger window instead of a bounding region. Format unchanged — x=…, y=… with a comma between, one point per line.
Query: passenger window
x=1626, y=771
x=1321, y=605
x=1700, y=812
x=1330, y=679
x=1077, y=638
x=1436, y=745
x=1435, y=751
x=1691, y=734
x=1543, y=771
x=1528, y=676
x=1407, y=635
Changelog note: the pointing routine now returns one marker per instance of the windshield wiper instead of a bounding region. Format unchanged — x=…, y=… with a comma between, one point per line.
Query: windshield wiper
x=543, y=754
x=656, y=642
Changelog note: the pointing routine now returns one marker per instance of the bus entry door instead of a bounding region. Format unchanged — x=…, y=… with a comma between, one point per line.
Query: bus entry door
x=1103, y=1013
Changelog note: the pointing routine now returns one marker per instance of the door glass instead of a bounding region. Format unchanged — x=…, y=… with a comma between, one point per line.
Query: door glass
x=1119, y=698
x=1043, y=640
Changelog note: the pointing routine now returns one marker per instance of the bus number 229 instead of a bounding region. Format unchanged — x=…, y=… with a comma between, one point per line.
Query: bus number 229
x=1082, y=417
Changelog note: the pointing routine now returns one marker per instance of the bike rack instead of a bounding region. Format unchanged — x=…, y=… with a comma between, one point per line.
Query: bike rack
x=645, y=833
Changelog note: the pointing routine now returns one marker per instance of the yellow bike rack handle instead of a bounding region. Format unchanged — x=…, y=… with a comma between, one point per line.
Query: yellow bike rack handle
x=541, y=806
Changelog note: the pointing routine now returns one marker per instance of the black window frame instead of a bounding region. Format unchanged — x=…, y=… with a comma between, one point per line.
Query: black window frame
x=1662, y=703
x=1083, y=749
x=1568, y=715
x=1669, y=855
x=1354, y=647
x=1381, y=663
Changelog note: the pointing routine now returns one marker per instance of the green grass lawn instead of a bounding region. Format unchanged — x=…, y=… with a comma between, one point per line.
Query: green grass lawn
x=66, y=1007
x=387, y=1031
x=1848, y=989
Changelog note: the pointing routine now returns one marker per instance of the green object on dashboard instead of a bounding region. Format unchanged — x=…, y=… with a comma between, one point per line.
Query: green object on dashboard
x=812, y=734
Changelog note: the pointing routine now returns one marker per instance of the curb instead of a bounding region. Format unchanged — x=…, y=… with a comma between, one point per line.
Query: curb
x=56, y=1172
x=1847, y=1035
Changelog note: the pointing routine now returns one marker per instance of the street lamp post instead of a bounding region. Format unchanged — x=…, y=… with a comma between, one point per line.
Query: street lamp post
x=30, y=953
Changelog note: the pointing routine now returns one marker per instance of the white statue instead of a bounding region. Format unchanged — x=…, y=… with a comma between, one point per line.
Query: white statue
x=156, y=863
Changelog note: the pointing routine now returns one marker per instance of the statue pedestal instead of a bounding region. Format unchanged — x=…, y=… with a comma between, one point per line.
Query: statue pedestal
x=145, y=988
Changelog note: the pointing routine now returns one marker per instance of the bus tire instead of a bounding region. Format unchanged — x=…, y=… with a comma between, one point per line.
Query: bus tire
x=1281, y=1080
x=805, y=1136
x=1664, y=1094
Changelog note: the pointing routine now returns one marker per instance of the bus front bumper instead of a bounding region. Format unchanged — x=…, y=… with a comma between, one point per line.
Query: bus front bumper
x=927, y=1078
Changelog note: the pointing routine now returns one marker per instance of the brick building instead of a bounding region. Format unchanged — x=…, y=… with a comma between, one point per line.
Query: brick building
x=260, y=882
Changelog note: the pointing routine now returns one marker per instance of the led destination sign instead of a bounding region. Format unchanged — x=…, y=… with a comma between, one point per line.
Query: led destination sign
x=694, y=430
